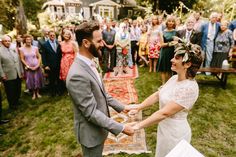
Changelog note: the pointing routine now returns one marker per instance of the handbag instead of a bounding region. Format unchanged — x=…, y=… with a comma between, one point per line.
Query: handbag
x=143, y=49
x=124, y=51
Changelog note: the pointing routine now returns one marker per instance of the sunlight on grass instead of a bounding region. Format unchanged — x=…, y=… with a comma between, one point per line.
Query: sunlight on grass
x=45, y=127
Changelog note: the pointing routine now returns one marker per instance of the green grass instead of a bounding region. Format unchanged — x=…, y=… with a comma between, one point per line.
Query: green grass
x=45, y=127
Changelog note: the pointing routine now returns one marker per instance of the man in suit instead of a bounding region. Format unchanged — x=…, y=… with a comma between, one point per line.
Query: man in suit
x=209, y=31
x=43, y=39
x=11, y=72
x=189, y=34
x=51, y=58
x=85, y=86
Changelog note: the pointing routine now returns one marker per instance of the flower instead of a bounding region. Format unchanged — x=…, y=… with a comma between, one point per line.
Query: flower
x=186, y=48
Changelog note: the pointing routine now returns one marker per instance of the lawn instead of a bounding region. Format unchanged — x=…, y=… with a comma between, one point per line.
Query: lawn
x=44, y=127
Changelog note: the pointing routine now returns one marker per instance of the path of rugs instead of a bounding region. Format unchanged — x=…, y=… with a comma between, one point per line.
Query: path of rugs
x=124, y=90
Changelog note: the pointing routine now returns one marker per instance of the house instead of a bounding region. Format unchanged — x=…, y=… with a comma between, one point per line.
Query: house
x=112, y=9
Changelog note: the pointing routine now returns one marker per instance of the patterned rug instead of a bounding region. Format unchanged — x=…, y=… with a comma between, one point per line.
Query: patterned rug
x=131, y=73
x=124, y=91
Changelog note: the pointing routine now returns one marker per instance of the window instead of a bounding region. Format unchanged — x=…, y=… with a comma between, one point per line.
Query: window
x=130, y=13
x=71, y=10
x=106, y=12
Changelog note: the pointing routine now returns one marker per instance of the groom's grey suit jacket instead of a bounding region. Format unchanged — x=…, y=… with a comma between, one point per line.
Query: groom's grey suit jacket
x=90, y=101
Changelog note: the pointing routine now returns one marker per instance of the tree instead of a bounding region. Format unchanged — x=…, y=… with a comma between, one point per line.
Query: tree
x=8, y=13
x=168, y=5
x=32, y=8
x=21, y=21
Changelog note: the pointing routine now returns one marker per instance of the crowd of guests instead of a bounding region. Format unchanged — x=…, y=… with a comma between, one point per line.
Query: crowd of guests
x=152, y=41
x=149, y=42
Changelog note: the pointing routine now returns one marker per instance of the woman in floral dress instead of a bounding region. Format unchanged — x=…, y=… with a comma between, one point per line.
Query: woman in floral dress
x=122, y=42
x=69, y=48
x=31, y=59
x=154, y=35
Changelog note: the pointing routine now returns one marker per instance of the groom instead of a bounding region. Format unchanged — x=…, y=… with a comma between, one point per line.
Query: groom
x=85, y=86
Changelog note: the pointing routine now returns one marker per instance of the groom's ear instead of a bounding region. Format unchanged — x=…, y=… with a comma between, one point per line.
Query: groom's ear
x=86, y=43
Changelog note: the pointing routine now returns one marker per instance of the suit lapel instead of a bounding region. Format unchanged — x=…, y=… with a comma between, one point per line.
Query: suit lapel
x=50, y=46
x=89, y=70
x=10, y=53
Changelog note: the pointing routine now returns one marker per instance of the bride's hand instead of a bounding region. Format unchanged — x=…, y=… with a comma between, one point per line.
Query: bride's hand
x=131, y=107
x=136, y=127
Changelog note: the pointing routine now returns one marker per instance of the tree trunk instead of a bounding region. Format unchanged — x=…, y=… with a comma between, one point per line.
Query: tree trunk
x=21, y=21
x=155, y=6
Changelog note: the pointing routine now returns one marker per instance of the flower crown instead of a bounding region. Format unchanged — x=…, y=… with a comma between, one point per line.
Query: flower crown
x=187, y=49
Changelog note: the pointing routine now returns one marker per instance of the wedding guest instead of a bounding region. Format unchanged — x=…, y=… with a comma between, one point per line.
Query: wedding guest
x=109, y=49
x=11, y=72
x=135, y=33
x=199, y=21
x=31, y=59
x=122, y=41
x=167, y=50
x=69, y=48
x=179, y=24
x=176, y=98
x=51, y=58
x=209, y=32
x=189, y=34
x=143, y=46
x=43, y=39
x=154, y=36
x=223, y=47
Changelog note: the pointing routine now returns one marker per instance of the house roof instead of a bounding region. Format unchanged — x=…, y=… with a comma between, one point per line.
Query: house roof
x=73, y=1
x=53, y=2
x=130, y=3
x=104, y=2
x=60, y=2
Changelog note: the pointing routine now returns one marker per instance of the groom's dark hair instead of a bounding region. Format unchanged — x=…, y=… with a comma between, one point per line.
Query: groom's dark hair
x=85, y=31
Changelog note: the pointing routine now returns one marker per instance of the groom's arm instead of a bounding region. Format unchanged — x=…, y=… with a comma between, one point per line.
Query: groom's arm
x=84, y=100
x=115, y=104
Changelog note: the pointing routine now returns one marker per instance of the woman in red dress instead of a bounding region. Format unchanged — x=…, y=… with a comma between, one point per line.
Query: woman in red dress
x=69, y=48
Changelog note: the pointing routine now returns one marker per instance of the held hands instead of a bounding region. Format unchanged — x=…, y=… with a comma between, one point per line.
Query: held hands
x=128, y=129
x=131, y=107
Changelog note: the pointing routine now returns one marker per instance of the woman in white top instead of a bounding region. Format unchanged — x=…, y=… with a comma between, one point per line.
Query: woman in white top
x=176, y=97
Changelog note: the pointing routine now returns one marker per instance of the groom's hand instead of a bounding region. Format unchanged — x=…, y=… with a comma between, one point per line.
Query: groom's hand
x=128, y=130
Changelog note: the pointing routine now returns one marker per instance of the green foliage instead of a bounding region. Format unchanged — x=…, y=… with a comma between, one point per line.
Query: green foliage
x=32, y=8
x=227, y=7
x=168, y=5
x=44, y=127
x=8, y=13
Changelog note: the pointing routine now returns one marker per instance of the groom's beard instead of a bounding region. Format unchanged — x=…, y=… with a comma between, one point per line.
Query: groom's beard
x=94, y=51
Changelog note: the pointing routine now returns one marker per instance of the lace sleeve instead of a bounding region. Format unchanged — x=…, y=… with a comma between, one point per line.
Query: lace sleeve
x=186, y=95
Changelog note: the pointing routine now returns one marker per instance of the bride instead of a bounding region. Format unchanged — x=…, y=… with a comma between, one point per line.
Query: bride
x=176, y=98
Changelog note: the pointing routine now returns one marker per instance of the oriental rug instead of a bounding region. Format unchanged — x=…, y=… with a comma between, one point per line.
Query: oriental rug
x=124, y=91
x=131, y=73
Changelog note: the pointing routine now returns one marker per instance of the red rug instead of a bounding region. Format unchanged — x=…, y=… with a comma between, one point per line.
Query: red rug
x=124, y=91
x=131, y=73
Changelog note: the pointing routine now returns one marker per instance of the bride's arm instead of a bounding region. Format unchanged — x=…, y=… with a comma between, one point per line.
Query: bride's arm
x=167, y=111
x=152, y=99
